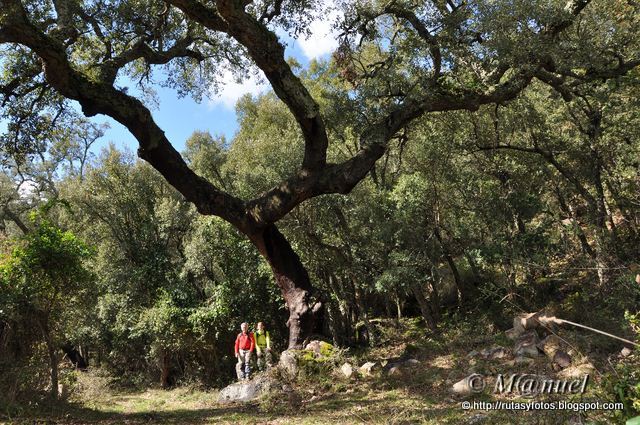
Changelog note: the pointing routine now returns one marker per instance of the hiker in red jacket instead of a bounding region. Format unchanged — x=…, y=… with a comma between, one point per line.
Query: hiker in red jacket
x=245, y=343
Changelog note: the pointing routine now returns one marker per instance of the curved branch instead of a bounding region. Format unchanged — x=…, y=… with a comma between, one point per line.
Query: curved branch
x=268, y=54
x=422, y=31
x=99, y=98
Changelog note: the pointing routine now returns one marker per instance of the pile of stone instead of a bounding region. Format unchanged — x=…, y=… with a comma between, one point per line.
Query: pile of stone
x=397, y=367
x=533, y=335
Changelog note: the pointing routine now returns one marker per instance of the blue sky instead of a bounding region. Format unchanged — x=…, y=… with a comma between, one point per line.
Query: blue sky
x=179, y=118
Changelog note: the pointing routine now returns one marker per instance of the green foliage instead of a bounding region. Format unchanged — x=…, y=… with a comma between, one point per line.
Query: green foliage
x=623, y=385
x=44, y=282
x=518, y=204
x=44, y=265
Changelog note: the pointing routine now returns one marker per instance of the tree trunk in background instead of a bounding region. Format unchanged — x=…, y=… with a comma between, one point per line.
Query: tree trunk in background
x=51, y=351
x=164, y=369
x=569, y=211
x=398, y=301
x=461, y=289
x=474, y=269
x=305, y=314
x=75, y=357
x=434, y=296
x=339, y=320
x=425, y=308
x=336, y=323
x=362, y=308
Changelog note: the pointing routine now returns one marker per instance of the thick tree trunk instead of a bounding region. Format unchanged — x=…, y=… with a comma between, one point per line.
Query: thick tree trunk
x=305, y=313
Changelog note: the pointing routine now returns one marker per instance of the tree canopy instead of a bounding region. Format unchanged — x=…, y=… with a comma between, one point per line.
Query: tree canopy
x=396, y=62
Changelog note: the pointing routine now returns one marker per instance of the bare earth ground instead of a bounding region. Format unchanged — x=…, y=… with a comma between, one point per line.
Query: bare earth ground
x=420, y=396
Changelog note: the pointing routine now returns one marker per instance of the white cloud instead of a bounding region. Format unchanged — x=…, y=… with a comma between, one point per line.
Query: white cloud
x=27, y=188
x=231, y=90
x=323, y=39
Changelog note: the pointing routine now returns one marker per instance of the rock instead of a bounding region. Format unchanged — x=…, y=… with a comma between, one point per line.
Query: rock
x=320, y=348
x=493, y=353
x=461, y=387
x=398, y=366
x=395, y=371
x=313, y=346
x=523, y=360
x=525, y=322
x=347, y=370
x=287, y=388
x=473, y=383
x=526, y=345
x=518, y=328
x=576, y=372
x=476, y=419
x=411, y=363
x=473, y=354
x=247, y=390
x=369, y=368
x=289, y=363
x=625, y=352
x=550, y=345
x=562, y=359
x=514, y=333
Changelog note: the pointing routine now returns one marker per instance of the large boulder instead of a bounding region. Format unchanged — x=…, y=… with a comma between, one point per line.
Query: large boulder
x=314, y=346
x=289, y=363
x=247, y=390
